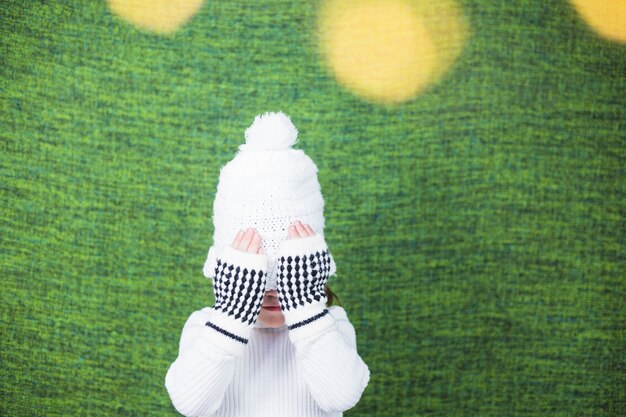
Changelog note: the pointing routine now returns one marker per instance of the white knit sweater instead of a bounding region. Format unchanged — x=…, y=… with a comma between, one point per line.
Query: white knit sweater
x=314, y=370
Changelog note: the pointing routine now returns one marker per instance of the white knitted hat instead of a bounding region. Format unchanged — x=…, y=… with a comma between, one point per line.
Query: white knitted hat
x=267, y=186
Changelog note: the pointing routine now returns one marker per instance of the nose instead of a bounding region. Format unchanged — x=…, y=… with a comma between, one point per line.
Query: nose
x=271, y=293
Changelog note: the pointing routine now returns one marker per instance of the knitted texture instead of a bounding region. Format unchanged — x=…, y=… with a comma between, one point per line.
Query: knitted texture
x=303, y=272
x=239, y=286
x=478, y=228
x=274, y=376
x=267, y=185
x=238, y=291
x=302, y=279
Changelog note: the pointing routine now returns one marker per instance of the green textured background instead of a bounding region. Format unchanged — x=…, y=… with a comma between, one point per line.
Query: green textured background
x=478, y=229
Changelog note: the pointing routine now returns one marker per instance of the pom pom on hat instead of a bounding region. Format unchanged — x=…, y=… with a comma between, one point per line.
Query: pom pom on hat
x=271, y=131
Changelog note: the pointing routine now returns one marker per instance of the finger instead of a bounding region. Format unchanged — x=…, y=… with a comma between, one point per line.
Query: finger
x=309, y=230
x=261, y=251
x=292, y=232
x=237, y=239
x=255, y=243
x=245, y=241
x=300, y=229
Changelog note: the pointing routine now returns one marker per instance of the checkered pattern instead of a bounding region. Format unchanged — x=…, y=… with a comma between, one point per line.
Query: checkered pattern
x=302, y=278
x=238, y=291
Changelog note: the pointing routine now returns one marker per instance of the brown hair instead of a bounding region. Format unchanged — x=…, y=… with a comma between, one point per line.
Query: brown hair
x=332, y=297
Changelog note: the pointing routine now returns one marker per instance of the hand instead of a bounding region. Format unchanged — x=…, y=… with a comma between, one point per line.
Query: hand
x=248, y=241
x=239, y=282
x=298, y=230
x=303, y=268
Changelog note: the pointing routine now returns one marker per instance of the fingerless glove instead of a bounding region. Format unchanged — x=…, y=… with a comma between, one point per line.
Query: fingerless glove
x=239, y=286
x=303, y=271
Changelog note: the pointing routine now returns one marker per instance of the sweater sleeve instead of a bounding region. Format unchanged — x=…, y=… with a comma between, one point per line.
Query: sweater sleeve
x=204, y=368
x=326, y=355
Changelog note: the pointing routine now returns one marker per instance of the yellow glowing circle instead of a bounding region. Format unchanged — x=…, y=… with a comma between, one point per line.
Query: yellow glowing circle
x=159, y=16
x=607, y=17
x=390, y=51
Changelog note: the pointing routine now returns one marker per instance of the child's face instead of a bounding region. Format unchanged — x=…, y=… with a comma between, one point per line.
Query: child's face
x=271, y=315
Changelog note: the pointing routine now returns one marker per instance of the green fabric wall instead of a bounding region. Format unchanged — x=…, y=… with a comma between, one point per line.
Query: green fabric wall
x=478, y=228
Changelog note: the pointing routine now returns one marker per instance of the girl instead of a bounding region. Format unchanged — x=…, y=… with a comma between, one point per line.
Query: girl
x=272, y=344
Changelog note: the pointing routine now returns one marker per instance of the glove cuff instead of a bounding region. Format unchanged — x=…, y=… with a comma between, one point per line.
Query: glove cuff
x=308, y=321
x=229, y=334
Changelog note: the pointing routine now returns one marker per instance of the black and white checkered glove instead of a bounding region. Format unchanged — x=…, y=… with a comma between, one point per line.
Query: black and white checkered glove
x=303, y=269
x=239, y=286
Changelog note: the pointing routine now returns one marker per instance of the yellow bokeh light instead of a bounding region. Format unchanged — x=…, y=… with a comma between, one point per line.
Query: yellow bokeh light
x=390, y=51
x=159, y=16
x=607, y=17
